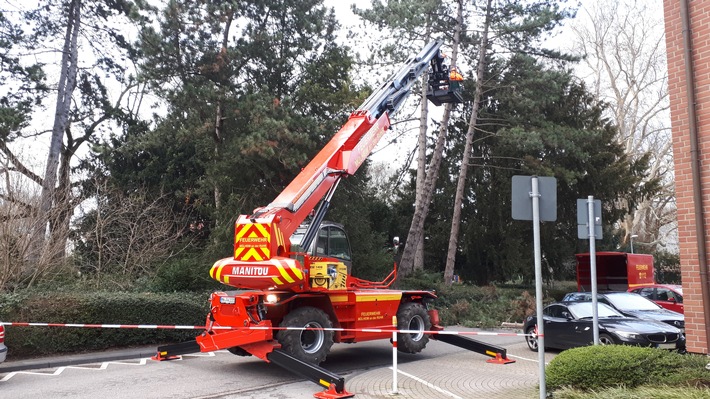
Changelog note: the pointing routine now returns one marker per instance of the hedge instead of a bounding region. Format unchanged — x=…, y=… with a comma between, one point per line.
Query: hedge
x=97, y=308
x=608, y=366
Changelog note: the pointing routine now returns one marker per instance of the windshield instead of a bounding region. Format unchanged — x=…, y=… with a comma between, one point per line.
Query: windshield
x=630, y=301
x=584, y=309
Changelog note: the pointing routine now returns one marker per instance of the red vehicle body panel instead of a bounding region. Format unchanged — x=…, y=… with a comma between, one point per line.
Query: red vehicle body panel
x=670, y=296
x=616, y=271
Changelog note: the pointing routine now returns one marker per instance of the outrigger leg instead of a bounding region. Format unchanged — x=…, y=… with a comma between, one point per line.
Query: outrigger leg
x=334, y=384
x=171, y=352
x=498, y=354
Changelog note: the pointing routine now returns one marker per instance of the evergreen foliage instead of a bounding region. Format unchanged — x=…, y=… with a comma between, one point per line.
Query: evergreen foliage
x=536, y=120
x=246, y=92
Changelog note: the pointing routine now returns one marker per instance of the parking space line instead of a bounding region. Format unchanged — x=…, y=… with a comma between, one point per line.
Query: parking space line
x=525, y=358
x=103, y=366
x=432, y=386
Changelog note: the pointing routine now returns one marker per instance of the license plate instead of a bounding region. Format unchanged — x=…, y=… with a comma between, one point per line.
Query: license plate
x=667, y=346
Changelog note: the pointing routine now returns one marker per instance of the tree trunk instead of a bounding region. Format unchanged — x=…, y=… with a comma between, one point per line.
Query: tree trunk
x=463, y=171
x=421, y=163
x=219, y=113
x=65, y=88
x=416, y=229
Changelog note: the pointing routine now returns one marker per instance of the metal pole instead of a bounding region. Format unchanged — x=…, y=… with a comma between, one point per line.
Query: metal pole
x=535, y=194
x=394, y=355
x=593, y=268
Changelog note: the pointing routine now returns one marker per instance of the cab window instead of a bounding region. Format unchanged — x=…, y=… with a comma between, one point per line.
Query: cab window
x=332, y=242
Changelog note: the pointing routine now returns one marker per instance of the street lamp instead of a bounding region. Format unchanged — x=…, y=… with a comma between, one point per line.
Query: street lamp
x=632, y=242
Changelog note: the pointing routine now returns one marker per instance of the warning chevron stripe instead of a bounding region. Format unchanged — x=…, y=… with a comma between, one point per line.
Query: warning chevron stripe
x=252, y=242
x=283, y=272
x=252, y=253
x=294, y=269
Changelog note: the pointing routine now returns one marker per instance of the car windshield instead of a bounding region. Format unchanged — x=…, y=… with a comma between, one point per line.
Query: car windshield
x=584, y=309
x=629, y=301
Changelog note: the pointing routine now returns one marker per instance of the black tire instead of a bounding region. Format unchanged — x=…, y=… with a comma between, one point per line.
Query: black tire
x=310, y=346
x=414, y=317
x=235, y=350
x=606, y=339
x=531, y=340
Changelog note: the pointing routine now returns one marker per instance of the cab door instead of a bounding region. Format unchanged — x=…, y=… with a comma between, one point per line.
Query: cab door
x=333, y=243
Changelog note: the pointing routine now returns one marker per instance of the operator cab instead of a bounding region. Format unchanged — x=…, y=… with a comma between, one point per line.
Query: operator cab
x=332, y=242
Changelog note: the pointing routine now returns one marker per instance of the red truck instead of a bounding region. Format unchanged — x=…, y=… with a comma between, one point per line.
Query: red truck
x=616, y=271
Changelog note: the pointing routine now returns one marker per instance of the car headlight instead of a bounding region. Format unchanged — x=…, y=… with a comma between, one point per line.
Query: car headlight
x=628, y=334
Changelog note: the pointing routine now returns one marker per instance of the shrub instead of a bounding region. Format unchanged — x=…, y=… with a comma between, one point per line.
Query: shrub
x=187, y=274
x=599, y=367
x=97, y=308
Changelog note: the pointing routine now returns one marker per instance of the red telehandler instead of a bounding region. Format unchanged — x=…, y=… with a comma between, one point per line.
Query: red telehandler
x=301, y=296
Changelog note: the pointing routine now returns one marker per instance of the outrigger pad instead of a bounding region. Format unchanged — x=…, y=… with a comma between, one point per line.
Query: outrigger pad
x=173, y=351
x=332, y=393
x=500, y=360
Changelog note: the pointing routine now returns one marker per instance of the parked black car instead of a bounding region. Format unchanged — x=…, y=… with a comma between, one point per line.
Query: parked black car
x=569, y=325
x=632, y=305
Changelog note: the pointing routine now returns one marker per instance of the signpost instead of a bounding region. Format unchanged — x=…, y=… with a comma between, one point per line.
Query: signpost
x=589, y=226
x=535, y=198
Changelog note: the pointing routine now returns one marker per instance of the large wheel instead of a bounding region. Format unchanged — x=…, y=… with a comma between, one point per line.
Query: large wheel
x=606, y=339
x=531, y=339
x=311, y=346
x=414, y=317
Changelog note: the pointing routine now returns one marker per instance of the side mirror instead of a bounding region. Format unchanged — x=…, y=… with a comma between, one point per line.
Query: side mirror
x=671, y=299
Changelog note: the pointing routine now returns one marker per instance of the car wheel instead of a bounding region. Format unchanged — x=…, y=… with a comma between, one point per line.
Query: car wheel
x=606, y=339
x=310, y=346
x=531, y=339
x=414, y=317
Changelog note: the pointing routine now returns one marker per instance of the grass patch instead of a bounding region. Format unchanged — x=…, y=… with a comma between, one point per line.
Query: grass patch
x=644, y=392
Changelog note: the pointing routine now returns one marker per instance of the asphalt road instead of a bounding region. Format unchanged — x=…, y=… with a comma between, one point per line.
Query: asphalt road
x=440, y=371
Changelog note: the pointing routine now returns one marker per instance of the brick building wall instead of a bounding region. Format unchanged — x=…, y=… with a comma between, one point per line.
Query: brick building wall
x=699, y=12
